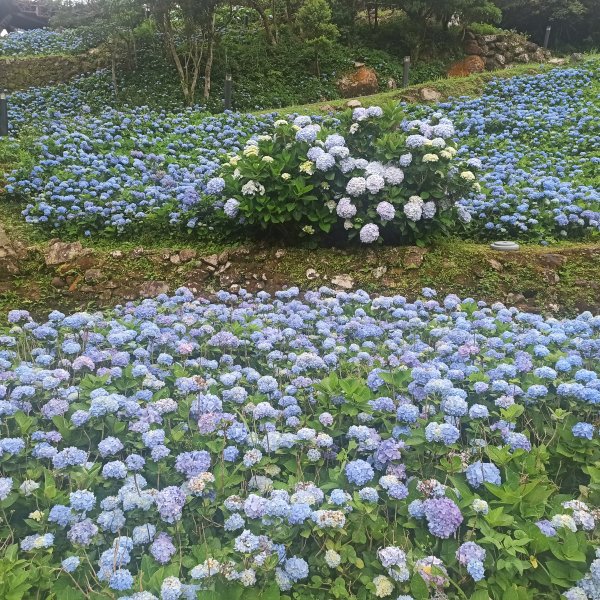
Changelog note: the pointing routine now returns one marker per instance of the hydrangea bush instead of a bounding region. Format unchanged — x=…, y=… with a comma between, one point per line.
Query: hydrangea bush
x=536, y=137
x=374, y=175
x=316, y=446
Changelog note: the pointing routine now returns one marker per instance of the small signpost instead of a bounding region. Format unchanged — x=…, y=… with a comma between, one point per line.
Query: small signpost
x=405, y=72
x=547, y=36
x=3, y=114
x=228, y=91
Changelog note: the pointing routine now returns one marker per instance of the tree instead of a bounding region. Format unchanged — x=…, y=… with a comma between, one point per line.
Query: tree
x=573, y=21
x=316, y=28
x=114, y=20
x=266, y=19
x=188, y=27
x=442, y=11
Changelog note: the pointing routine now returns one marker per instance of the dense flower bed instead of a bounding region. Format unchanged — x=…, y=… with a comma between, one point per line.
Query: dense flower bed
x=39, y=42
x=539, y=140
x=325, y=445
x=537, y=137
x=112, y=170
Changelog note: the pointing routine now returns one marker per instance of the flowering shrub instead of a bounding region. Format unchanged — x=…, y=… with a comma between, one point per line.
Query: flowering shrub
x=37, y=42
x=320, y=446
x=383, y=177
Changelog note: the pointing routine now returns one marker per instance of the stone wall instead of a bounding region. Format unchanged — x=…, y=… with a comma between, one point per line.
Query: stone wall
x=22, y=73
x=503, y=50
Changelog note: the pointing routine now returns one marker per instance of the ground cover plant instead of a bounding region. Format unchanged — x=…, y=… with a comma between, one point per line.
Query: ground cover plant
x=324, y=445
x=111, y=170
x=535, y=186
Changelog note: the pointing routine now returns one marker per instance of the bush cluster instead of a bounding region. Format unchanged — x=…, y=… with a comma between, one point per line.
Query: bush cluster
x=385, y=177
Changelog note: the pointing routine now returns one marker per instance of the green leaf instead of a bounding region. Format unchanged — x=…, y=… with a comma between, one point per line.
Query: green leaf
x=418, y=587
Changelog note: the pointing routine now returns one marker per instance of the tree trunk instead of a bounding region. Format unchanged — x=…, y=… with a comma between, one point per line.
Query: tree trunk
x=170, y=43
x=274, y=14
x=209, y=58
x=113, y=69
x=133, y=52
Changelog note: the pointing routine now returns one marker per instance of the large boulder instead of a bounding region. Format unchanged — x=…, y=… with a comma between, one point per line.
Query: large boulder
x=470, y=64
x=359, y=82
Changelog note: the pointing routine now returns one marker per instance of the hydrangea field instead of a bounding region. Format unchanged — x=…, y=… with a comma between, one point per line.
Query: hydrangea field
x=539, y=140
x=307, y=446
x=45, y=42
x=110, y=170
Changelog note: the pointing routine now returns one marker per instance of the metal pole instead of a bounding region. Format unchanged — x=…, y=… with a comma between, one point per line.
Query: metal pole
x=547, y=37
x=405, y=71
x=3, y=114
x=228, y=89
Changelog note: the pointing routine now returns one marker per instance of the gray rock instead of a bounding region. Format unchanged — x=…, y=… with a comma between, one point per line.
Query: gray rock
x=515, y=298
x=472, y=47
x=414, y=257
x=187, y=254
x=211, y=261
x=379, y=272
x=500, y=59
x=60, y=252
x=343, y=281
x=353, y=103
x=553, y=260
x=93, y=276
x=522, y=58
x=151, y=289
x=280, y=253
x=311, y=274
x=576, y=57
x=429, y=95
x=488, y=39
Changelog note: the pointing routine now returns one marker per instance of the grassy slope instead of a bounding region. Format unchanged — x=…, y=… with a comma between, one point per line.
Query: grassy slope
x=471, y=85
